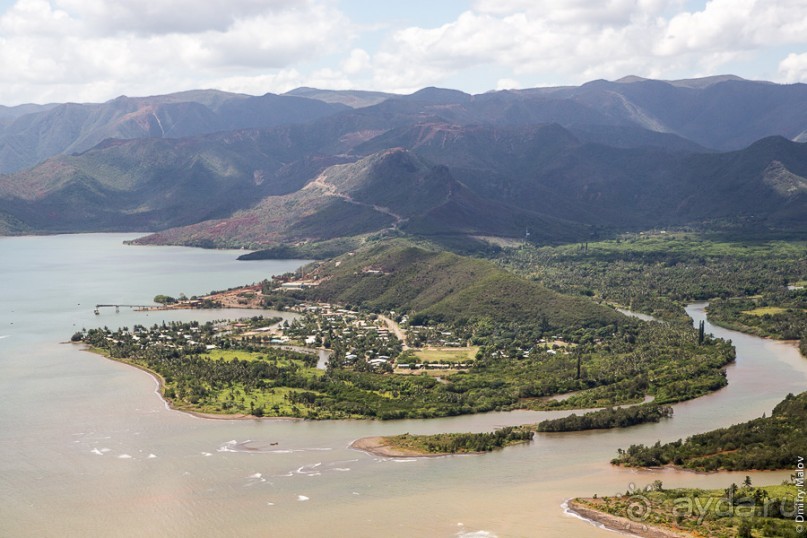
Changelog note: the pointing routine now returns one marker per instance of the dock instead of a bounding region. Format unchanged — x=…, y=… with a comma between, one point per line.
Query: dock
x=117, y=307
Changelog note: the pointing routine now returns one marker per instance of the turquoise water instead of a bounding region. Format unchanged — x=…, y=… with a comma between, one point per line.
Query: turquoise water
x=87, y=447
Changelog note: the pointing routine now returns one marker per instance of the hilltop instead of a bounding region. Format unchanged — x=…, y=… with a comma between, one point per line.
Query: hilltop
x=445, y=287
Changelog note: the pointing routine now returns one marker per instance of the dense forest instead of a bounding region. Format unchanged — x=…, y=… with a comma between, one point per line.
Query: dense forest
x=773, y=442
x=607, y=418
x=659, y=273
x=780, y=314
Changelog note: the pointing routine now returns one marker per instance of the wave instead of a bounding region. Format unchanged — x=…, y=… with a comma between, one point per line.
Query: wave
x=262, y=447
x=571, y=513
x=256, y=478
x=476, y=534
x=309, y=470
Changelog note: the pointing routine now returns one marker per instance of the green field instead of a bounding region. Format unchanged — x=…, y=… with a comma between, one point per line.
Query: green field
x=447, y=354
x=228, y=355
x=765, y=310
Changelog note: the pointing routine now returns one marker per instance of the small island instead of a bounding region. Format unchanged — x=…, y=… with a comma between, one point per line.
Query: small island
x=444, y=444
x=603, y=419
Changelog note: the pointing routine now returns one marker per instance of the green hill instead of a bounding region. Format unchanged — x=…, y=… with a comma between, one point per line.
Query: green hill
x=438, y=285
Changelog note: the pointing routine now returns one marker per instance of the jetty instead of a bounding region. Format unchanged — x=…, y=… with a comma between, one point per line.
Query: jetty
x=117, y=307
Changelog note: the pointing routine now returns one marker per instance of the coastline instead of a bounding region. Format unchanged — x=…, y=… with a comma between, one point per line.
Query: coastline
x=169, y=404
x=378, y=446
x=621, y=525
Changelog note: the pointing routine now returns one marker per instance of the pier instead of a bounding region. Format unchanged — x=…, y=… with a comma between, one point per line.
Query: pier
x=117, y=307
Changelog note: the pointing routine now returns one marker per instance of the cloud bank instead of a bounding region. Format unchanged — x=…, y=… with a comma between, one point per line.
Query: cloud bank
x=93, y=50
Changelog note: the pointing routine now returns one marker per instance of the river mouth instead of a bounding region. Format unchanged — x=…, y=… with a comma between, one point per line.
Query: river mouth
x=88, y=440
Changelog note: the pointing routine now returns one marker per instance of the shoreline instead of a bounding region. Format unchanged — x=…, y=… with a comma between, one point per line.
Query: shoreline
x=169, y=404
x=377, y=446
x=620, y=524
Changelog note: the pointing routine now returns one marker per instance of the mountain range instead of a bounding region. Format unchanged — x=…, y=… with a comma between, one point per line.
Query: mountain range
x=210, y=168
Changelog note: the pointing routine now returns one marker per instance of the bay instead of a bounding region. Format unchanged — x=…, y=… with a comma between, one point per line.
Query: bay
x=87, y=446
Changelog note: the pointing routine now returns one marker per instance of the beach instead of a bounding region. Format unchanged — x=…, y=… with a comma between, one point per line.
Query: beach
x=623, y=524
x=378, y=446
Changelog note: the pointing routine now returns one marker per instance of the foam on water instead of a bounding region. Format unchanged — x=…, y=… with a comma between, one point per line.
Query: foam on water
x=151, y=456
x=571, y=513
x=254, y=479
x=302, y=498
x=263, y=447
x=474, y=534
x=124, y=457
x=310, y=469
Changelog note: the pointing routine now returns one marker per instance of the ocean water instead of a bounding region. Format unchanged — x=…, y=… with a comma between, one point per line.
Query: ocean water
x=88, y=448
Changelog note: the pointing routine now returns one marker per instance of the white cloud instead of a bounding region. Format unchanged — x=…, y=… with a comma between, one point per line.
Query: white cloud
x=578, y=40
x=794, y=68
x=96, y=49
x=58, y=50
x=284, y=80
x=358, y=61
x=507, y=84
x=155, y=17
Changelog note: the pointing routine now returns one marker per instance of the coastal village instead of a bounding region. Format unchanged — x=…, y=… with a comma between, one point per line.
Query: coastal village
x=367, y=341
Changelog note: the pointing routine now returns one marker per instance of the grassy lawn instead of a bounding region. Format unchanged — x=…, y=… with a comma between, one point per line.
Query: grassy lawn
x=446, y=354
x=763, y=310
x=431, y=373
x=229, y=355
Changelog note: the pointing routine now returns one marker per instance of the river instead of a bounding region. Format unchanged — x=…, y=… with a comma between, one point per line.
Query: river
x=87, y=447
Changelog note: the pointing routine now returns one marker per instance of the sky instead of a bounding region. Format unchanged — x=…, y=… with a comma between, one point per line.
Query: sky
x=96, y=50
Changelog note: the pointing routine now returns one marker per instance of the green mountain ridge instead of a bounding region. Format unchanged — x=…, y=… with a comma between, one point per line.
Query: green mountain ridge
x=442, y=286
